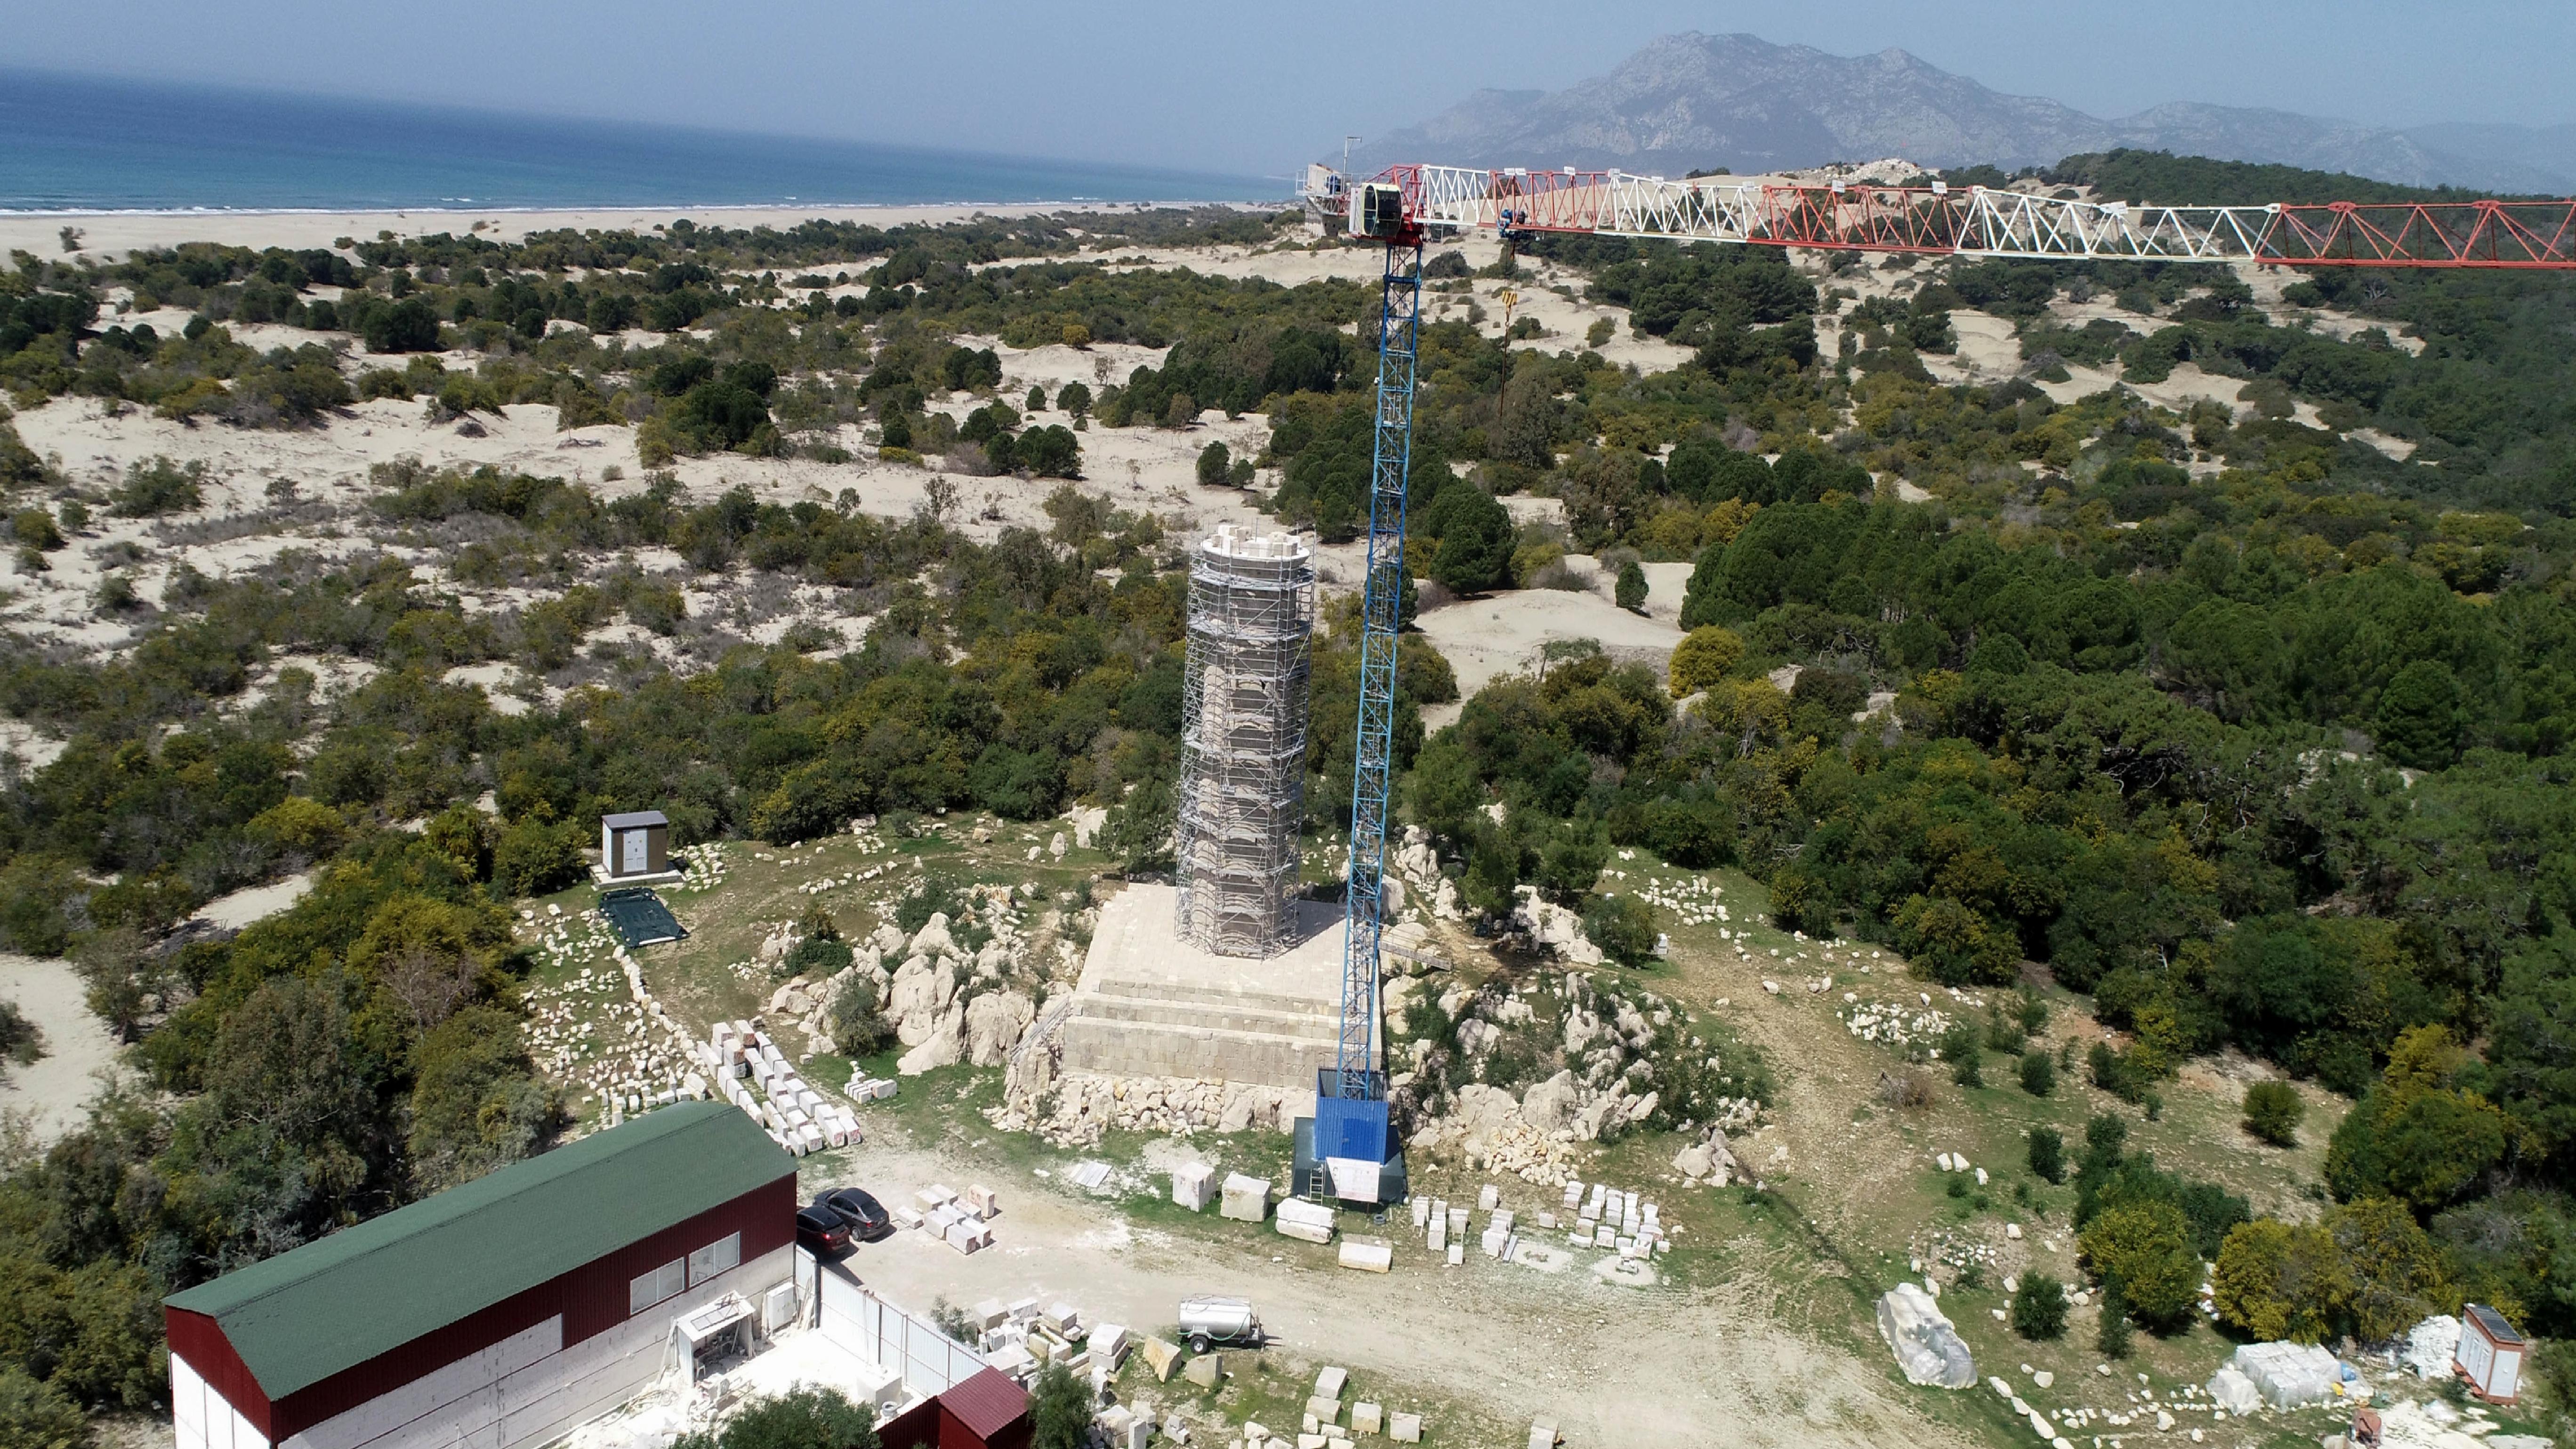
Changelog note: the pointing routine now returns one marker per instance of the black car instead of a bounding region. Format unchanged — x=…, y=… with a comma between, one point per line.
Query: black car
x=822, y=1229
x=867, y=1218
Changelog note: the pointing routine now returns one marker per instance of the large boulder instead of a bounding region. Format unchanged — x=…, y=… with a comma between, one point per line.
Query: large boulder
x=1549, y=1105
x=933, y=938
x=1927, y=1345
x=923, y=989
x=1601, y=1111
x=1483, y=1112
x=1558, y=929
x=994, y=1022
x=942, y=1045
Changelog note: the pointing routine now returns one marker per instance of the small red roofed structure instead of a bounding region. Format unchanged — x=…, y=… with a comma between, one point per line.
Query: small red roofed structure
x=984, y=1411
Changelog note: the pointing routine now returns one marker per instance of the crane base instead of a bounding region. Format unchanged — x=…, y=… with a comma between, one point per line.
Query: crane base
x=1349, y=1183
x=1347, y=1150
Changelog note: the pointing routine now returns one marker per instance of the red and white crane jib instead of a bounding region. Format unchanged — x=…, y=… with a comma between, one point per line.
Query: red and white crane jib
x=1972, y=221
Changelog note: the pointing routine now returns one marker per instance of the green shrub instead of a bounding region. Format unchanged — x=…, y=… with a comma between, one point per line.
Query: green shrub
x=858, y=1024
x=1961, y=1047
x=802, y=1418
x=2038, y=1074
x=2114, y=1334
x=36, y=1415
x=2039, y=1309
x=1622, y=927
x=2273, y=1111
x=816, y=958
x=35, y=529
x=2048, y=1154
x=157, y=486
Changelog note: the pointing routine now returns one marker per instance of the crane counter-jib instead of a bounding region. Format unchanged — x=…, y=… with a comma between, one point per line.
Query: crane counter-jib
x=1978, y=221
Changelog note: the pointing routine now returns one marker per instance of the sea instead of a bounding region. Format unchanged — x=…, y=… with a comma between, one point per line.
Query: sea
x=87, y=144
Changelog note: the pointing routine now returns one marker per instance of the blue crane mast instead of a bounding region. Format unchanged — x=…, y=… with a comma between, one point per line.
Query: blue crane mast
x=1353, y=1154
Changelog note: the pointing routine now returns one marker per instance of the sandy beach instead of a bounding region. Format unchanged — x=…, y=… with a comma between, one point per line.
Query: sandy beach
x=110, y=235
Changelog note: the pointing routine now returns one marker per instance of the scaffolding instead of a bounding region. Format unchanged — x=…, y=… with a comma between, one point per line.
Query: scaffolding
x=1243, y=741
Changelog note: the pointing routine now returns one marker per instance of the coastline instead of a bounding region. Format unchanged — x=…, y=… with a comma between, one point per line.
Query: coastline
x=109, y=235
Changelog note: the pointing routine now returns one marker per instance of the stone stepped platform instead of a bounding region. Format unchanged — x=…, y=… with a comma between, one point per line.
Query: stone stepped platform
x=1152, y=1005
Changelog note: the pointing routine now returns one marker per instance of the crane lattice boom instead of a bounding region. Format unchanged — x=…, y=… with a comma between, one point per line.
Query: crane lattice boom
x=1976, y=221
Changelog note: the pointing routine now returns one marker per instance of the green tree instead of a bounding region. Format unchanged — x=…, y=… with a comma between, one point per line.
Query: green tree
x=35, y=1415
x=2396, y=1272
x=2280, y=1280
x=535, y=857
x=2273, y=1111
x=1214, y=463
x=477, y=1104
x=1630, y=591
x=1138, y=832
x=1074, y=398
x=2039, y=1309
x=802, y=1418
x=2421, y=716
x=410, y=325
x=1571, y=865
x=2416, y=1136
x=2147, y=1247
x=1059, y=1410
x=1475, y=533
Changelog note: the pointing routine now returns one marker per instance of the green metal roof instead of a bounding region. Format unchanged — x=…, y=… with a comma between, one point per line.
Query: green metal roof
x=309, y=1313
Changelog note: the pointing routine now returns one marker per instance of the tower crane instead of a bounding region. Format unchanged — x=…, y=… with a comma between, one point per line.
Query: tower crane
x=1352, y=1153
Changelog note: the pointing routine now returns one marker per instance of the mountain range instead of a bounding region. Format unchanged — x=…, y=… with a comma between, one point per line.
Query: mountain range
x=1697, y=102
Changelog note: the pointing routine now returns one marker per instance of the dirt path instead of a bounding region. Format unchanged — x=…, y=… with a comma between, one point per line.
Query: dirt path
x=1614, y=1366
x=55, y=1090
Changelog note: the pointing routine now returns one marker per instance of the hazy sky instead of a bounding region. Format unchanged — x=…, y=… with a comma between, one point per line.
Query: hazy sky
x=1259, y=88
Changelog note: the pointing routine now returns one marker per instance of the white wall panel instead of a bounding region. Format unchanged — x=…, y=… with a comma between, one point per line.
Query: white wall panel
x=529, y=1389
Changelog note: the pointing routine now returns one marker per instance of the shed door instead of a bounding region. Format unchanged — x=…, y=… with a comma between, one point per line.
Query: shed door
x=630, y=852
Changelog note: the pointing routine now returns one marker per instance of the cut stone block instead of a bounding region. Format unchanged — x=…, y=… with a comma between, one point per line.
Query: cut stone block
x=1323, y=1410
x=1205, y=1370
x=1367, y=1418
x=1457, y=1254
x=1330, y=1383
x=1488, y=1198
x=1109, y=1343
x=1369, y=1255
x=1162, y=1358
x=1421, y=1211
x=1407, y=1428
x=990, y=1314
x=982, y=1203
x=1192, y=1184
x=1245, y=1199
x=1299, y=1218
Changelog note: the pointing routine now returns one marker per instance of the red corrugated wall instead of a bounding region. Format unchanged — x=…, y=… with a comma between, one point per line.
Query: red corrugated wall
x=591, y=1298
x=200, y=1340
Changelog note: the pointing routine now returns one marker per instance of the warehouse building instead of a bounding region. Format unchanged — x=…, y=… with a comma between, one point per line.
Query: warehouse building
x=500, y=1313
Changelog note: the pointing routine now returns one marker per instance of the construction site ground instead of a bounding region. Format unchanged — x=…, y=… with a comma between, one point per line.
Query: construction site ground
x=1760, y=1330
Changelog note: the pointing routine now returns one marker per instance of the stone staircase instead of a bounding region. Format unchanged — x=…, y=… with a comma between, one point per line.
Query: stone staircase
x=1213, y=1030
